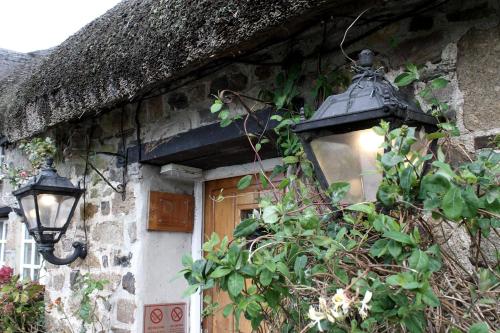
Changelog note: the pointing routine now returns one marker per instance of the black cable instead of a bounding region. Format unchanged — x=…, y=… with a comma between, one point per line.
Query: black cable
x=138, y=131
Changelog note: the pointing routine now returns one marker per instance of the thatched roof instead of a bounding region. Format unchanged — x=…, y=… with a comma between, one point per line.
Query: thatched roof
x=140, y=44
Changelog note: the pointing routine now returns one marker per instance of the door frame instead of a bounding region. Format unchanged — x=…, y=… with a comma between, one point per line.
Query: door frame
x=195, y=301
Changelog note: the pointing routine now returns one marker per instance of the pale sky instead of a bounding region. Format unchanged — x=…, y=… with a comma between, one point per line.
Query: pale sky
x=31, y=25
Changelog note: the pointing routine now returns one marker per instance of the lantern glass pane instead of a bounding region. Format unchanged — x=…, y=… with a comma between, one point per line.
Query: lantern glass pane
x=54, y=209
x=351, y=157
x=28, y=205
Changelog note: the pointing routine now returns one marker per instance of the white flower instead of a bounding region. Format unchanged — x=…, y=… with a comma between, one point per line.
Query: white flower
x=316, y=317
x=363, y=311
x=340, y=300
x=323, y=307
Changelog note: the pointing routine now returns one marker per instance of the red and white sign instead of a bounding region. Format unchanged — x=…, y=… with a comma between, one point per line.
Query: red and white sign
x=165, y=318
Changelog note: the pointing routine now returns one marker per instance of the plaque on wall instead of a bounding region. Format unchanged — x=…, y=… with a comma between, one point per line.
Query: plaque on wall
x=165, y=318
x=170, y=212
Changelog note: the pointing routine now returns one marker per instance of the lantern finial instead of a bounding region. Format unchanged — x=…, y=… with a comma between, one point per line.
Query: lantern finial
x=366, y=58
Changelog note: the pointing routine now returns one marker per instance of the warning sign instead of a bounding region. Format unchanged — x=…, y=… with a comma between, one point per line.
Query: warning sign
x=165, y=318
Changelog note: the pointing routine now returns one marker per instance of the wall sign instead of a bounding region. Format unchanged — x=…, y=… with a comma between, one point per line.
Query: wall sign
x=170, y=212
x=165, y=318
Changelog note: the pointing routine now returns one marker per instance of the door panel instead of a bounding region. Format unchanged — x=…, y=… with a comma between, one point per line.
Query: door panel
x=221, y=217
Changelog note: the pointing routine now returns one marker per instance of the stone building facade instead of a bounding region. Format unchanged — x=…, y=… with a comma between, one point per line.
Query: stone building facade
x=458, y=40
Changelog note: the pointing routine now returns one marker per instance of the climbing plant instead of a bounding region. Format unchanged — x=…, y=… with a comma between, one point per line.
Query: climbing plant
x=308, y=261
x=88, y=294
x=37, y=150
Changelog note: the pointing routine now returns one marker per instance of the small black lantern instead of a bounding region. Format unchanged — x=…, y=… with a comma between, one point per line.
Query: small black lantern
x=338, y=138
x=48, y=202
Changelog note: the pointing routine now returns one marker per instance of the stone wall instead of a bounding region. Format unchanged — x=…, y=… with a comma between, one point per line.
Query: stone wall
x=459, y=40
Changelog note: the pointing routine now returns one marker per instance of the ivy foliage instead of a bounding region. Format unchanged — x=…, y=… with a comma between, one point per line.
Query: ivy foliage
x=37, y=151
x=307, y=261
x=88, y=292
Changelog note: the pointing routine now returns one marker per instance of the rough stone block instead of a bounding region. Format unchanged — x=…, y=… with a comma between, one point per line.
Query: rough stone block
x=73, y=277
x=90, y=210
x=132, y=231
x=125, y=311
x=155, y=108
x=105, y=208
x=178, y=100
x=105, y=262
x=57, y=282
x=119, y=330
x=479, y=11
x=128, y=283
x=478, y=78
x=120, y=206
x=121, y=260
x=108, y=233
x=235, y=82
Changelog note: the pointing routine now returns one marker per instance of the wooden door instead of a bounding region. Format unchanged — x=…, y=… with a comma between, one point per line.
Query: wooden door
x=221, y=217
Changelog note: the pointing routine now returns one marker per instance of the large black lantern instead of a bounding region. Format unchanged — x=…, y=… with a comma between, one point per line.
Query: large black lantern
x=338, y=138
x=48, y=202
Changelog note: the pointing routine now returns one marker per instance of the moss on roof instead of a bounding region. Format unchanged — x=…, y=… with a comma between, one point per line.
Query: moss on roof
x=140, y=44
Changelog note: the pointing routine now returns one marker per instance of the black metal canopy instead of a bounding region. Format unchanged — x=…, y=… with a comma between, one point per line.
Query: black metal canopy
x=210, y=146
x=369, y=99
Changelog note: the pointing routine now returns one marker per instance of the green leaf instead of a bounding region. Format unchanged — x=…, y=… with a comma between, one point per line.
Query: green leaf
x=406, y=178
x=244, y=182
x=300, y=264
x=227, y=310
x=439, y=83
x=419, y=260
x=414, y=324
x=224, y=114
x=245, y=228
x=379, y=248
x=249, y=270
x=379, y=130
x=471, y=203
x=399, y=237
x=435, y=135
x=187, y=260
x=216, y=107
x=270, y=214
x=430, y=298
x=395, y=249
x=220, y=272
x=453, y=203
x=225, y=122
x=235, y=284
x=290, y=159
x=387, y=194
x=283, y=269
x=190, y=290
x=404, y=79
x=361, y=207
x=338, y=191
x=266, y=277
x=445, y=169
x=390, y=159
x=479, y=328
x=436, y=183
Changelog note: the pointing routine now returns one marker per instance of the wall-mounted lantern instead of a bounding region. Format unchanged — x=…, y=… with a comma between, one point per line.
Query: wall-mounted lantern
x=338, y=138
x=48, y=202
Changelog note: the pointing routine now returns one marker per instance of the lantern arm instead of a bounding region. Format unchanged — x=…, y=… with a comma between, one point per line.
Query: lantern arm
x=47, y=251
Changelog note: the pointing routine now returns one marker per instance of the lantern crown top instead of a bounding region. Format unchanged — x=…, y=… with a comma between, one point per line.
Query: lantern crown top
x=369, y=97
x=49, y=179
x=366, y=58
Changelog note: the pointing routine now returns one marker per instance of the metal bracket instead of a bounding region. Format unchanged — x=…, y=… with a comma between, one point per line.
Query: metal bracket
x=121, y=162
x=47, y=251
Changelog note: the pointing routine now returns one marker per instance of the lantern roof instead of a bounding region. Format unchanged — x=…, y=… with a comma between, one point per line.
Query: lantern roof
x=48, y=179
x=369, y=97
